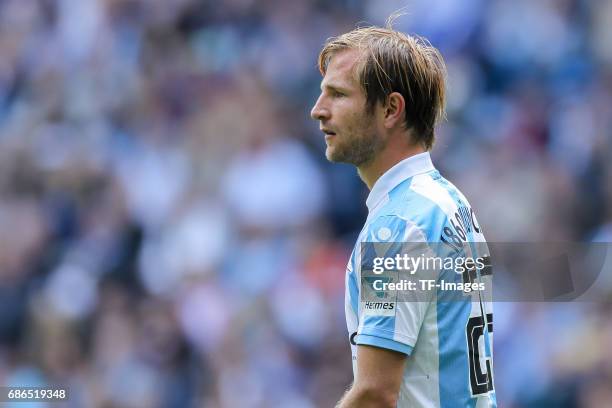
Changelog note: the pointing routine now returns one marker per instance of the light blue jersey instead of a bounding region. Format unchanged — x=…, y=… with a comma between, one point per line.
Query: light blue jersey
x=449, y=343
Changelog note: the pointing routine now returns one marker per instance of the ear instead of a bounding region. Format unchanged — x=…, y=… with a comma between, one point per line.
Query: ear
x=395, y=110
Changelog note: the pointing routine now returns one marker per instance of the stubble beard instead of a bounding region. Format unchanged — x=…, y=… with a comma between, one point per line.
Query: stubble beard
x=357, y=150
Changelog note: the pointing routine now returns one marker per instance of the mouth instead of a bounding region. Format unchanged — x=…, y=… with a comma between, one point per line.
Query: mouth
x=328, y=133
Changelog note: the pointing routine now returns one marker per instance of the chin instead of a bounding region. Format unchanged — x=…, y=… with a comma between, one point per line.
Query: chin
x=334, y=157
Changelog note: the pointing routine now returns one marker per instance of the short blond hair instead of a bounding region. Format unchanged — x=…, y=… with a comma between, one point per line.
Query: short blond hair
x=391, y=61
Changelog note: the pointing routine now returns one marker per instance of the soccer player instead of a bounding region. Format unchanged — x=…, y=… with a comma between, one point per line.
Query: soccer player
x=382, y=94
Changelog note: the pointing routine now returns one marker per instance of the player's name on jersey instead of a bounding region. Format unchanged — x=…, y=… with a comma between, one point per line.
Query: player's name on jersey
x=427, y=285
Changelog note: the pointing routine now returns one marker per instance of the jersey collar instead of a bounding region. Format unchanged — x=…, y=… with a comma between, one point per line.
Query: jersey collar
x=411, y=166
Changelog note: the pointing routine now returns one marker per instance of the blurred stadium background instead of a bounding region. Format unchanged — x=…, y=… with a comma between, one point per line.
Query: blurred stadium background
x=172, y=236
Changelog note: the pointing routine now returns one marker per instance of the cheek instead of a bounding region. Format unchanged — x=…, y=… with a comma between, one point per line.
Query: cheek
x=351, y=116
x=360, y=122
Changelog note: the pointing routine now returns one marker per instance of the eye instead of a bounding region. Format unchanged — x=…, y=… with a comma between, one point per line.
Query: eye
x=337, y=94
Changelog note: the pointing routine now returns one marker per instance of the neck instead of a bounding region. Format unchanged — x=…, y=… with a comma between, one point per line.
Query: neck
x=371, y=171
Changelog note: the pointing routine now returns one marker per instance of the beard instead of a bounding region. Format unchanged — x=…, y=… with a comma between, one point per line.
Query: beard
x=356, y=149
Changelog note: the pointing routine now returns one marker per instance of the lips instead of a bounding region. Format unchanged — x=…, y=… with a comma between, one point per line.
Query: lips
x=328, y=132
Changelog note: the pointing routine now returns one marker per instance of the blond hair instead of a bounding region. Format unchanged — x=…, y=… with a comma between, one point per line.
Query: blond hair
x=391, y=61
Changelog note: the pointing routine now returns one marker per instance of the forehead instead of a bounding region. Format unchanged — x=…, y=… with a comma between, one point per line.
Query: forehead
x=341, y=68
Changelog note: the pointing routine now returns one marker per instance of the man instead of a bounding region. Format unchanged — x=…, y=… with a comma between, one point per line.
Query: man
x=382, y=94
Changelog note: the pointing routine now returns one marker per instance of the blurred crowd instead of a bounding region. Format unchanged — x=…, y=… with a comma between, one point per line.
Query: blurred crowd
x=172, y=236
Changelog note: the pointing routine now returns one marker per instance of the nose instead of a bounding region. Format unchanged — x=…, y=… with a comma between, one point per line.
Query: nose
x=319, y=112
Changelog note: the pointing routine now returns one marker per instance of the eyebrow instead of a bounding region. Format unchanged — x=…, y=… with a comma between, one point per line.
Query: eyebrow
x=334, y=87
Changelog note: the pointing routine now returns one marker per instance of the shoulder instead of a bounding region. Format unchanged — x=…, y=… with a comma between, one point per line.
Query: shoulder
x=435, y=193
x=424, y=201
x=418, y=209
